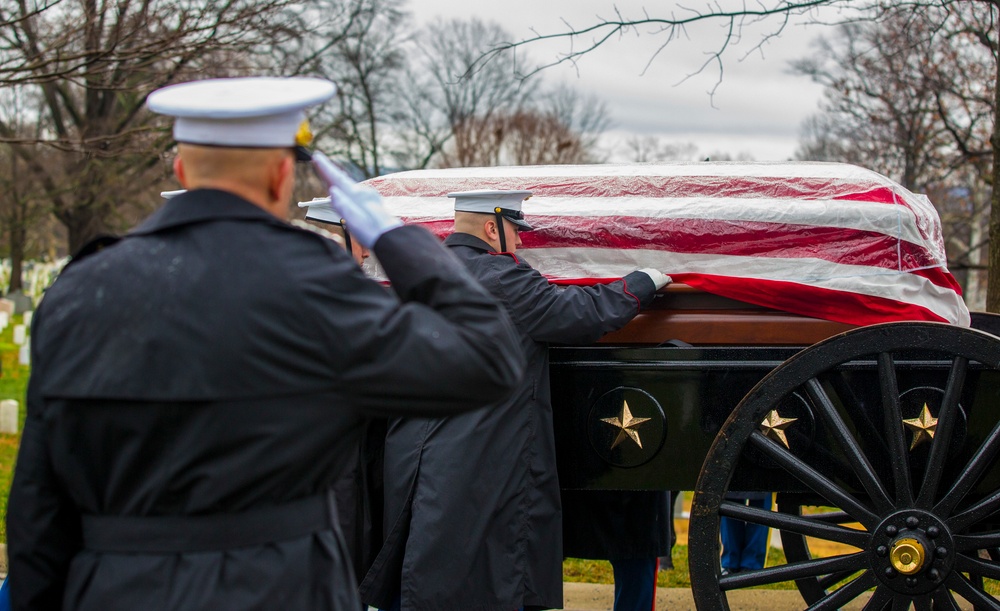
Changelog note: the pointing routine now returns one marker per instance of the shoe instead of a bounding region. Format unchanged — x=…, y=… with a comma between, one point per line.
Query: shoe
x=725, y=572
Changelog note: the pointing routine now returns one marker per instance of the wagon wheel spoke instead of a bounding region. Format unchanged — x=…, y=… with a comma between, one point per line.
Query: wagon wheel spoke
x=881, y=598
x=976, y=513
x=970, y=543
x=849, y=592
x=900, y=604
x=975, y=566
x=866, y=428
x=814, y=479
x=944, y=601
x=961, y=586
x=859, y=462
x=922, y=603
x=796, y=524
x=974, y=470
x=941, y=442
x=828, y=581
x=894, y=432
x=832, y=517
x=795, y=570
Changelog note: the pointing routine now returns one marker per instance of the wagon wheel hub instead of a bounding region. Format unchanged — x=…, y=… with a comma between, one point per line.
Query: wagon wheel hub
x=912, y=551
x=907, y=556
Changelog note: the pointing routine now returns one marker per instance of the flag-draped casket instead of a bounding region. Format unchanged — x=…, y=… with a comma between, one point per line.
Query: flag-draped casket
x=824, y=240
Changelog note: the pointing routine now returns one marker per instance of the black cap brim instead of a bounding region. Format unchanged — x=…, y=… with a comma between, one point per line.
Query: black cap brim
x=302, y=153
x=516, y=217
x=523, y=224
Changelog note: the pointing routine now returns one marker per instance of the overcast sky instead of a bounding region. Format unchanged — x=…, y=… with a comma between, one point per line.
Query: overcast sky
x=758, y=107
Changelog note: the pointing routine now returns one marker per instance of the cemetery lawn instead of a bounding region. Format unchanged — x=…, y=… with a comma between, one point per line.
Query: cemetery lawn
x=599, y=571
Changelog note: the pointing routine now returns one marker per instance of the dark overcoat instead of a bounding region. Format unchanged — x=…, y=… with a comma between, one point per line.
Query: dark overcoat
x=617, y=524
x=472, y=501
x=196, y=393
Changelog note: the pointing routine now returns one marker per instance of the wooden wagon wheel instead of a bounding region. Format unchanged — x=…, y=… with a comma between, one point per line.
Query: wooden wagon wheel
x=924, y=492
x=796, y=547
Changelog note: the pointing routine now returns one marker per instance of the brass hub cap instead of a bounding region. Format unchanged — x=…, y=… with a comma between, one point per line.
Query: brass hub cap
x=907, y=556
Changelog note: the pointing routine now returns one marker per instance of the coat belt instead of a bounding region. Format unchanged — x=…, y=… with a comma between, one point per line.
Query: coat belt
x=206, y=533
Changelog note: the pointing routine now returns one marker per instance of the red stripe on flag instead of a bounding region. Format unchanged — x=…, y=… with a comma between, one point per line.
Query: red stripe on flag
x=714, y=237
x=803, y=299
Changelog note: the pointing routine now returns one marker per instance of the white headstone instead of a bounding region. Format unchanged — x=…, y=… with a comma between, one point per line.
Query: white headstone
x=8, y=416
x=4, y=320
x=24, y=354
x=20, y=332
x=27, y=319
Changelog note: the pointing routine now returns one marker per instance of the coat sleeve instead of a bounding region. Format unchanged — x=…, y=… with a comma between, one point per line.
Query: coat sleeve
x=566, y=314
x=444, y=345
x=43, y=531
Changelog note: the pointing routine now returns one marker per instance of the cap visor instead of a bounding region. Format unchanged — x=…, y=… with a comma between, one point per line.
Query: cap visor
x=302, y=154
x=523, y=224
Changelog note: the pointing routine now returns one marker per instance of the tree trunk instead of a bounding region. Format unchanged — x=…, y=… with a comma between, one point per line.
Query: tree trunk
x=82, y=226
x=17, y=239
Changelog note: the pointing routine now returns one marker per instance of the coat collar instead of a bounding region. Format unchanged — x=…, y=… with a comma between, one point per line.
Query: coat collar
x=467, y=239
x=199, y=206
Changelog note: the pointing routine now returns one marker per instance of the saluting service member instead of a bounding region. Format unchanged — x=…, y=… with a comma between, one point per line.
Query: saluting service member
x=472, y=511
x=197, y=386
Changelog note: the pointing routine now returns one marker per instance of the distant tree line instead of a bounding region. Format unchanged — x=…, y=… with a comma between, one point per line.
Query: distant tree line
x=912, y=96
x=911, y=92
x=80, y=155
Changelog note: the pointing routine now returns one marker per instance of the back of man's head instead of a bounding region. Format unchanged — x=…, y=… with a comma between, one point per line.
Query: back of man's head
x=207, y=166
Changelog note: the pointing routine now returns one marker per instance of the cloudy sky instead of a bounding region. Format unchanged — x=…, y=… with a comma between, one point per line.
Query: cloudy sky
x=757, y=109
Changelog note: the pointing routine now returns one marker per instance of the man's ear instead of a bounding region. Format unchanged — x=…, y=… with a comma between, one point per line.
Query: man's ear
x=284, y=173
x=179, y=171
x=490, y=227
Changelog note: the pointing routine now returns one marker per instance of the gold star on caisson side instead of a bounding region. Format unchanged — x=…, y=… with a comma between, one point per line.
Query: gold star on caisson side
x=923, y=427
x=774, y=426
x=626, y=426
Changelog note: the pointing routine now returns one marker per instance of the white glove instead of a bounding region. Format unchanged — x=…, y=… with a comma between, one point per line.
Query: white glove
x=360, y=206
x=659, y=279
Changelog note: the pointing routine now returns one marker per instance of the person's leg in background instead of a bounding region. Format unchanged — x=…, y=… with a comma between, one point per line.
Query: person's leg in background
x=635, y=584
x=733, y=534
x=675, y=505
x=756, y=543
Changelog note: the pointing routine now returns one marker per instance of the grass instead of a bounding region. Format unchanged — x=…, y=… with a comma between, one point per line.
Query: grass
x=599, y=571
x=13, y=385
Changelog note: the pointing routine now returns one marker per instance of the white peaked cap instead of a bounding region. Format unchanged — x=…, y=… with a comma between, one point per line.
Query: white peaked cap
x=169, y=194
x=319, y=209
x=240, y=112
x=488, y=200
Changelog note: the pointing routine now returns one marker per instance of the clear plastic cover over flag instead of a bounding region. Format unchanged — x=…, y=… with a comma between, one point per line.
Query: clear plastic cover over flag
x=825, y=240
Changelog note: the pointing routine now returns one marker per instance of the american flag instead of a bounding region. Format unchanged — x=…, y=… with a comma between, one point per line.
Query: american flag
x=825, y=240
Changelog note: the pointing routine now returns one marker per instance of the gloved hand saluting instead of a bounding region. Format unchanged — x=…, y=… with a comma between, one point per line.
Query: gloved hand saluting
x=659, y=279
x=360, y=206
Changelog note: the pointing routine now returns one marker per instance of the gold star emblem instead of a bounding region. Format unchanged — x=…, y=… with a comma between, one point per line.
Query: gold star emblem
x=774, y=426
x=923, y=427
x=626, y=426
